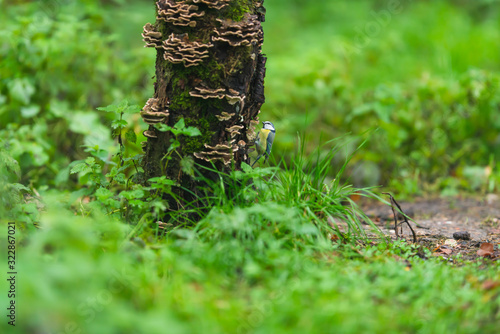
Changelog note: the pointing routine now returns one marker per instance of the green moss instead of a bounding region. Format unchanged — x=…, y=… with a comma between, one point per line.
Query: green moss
x=195, y=144
x=182, y=100
x=210, y=72
x=237, y=9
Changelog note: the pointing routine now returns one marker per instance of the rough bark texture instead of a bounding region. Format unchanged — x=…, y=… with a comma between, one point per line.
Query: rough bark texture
x=210, y=71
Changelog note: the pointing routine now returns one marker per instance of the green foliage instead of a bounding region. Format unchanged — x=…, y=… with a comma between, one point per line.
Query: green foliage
x=431, y=90
x=59, y=61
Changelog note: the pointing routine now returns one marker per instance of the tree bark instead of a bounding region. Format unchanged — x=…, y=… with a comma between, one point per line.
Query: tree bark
x=210, y=72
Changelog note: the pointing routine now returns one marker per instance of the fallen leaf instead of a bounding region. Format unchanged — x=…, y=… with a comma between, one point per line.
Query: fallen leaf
x=355, y=197
x=440, y=250
x=490, y=285
x=486, y=249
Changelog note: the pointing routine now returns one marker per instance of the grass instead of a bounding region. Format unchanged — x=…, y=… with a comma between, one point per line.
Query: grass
x=262, y=260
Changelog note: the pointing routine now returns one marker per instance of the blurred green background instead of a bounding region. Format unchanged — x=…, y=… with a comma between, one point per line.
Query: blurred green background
x=418, y=79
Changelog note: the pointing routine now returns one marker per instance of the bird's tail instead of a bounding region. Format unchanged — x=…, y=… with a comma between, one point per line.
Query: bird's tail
x=258, y=158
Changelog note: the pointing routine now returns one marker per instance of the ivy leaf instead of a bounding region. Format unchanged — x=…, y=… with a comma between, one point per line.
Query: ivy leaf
x=130, y=136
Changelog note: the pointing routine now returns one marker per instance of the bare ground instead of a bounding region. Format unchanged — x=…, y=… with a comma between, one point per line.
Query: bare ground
x=436, y=220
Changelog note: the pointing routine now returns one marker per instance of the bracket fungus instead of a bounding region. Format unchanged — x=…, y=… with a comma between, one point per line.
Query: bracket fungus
x=179, y=49
x=218, y=153
x=150, y=134
x=225, y=116
x=231, y=95
x=208, y=93
x=151, y=36
x=153, y=114
x=217, y=4
x=178, y=13
x=245, y=32
x=235, y=130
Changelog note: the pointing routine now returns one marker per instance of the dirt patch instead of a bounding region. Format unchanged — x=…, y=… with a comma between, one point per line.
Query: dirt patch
x=436, y=221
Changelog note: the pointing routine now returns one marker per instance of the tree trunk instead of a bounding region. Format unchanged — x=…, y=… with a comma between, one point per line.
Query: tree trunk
x=210, y=72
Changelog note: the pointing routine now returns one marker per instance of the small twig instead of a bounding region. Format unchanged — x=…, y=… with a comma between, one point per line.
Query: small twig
x=393, y=202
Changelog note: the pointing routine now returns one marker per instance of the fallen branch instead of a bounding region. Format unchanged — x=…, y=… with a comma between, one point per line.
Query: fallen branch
x=396, y=224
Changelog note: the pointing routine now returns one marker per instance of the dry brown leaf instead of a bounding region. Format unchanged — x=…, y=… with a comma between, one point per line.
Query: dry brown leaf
x=490, y=285
x=355, y=197
x=439, y=250
x=486, y=249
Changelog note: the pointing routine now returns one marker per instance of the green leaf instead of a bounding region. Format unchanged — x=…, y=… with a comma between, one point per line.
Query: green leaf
x=191, y=131
x=21, y=90
x=130, y=136
x=19, y=187
x=180, y=125
x=132, y=109
x=90, y=161
x=187, y=165
x=174, y=145
x=110, y=108
x=103, y=194
x=119, y=124
x=30, y=111
x=10, y=165
x=132, y=194
x=162, y=180
x=163, y=127
x=246, y=167
x=81, y=168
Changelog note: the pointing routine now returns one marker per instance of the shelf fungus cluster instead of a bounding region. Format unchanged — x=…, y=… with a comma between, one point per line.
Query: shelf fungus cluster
x=230, y=94
x=219, y=152
x=216, y=4
x=245, y=32
x=151, y=36
x=180, y=50
x=224, y=152
x=178, y=13
x=153, y=114
x=225, y=116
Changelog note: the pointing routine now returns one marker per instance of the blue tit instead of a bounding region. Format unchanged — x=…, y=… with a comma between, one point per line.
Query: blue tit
x=264, y=141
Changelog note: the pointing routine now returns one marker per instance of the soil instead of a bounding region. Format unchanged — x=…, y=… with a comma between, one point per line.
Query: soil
x=436, y=222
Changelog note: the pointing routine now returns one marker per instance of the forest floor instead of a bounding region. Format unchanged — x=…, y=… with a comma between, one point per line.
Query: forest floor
x=437, y=221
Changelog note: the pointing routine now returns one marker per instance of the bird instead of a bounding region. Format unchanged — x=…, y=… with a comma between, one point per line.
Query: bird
x=264, y=141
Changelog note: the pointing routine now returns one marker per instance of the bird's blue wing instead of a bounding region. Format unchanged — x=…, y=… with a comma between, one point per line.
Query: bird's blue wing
x=270, y=140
